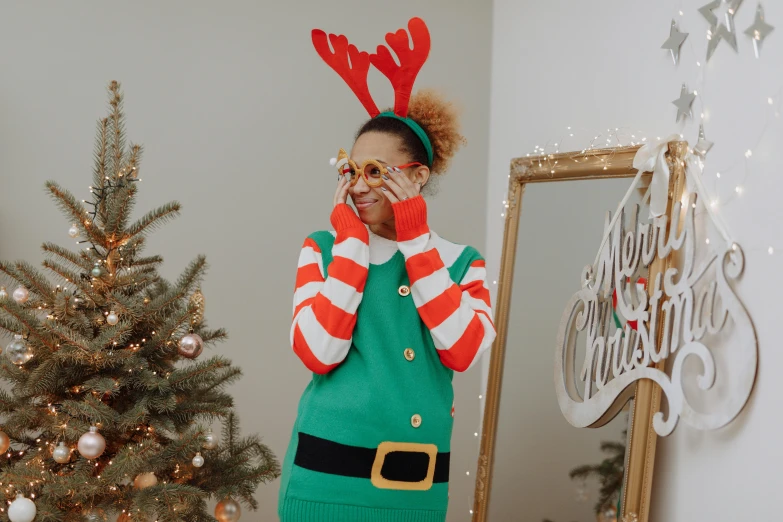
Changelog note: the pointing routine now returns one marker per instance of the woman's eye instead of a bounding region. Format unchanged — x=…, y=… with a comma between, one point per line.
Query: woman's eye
x=375, y=172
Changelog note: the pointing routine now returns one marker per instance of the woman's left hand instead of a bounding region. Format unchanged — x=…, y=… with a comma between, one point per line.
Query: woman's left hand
x=399, y=186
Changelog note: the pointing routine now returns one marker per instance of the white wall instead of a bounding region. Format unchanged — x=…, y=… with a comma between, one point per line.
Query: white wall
x=239, y=118
x=598, y=65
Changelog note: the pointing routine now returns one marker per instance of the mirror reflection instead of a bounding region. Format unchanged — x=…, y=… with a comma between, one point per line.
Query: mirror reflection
x=546, y=470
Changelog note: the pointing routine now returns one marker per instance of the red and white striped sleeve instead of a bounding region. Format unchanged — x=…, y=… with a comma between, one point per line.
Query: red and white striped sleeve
x=325, y=304
x=459, y=316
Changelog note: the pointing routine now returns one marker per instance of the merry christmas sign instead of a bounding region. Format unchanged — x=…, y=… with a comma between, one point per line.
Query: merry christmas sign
x=680, y=325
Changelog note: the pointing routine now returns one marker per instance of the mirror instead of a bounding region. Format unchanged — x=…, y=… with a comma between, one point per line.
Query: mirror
x=537, y=450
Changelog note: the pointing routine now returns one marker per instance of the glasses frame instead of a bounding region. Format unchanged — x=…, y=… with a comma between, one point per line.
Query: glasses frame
x=345, y=165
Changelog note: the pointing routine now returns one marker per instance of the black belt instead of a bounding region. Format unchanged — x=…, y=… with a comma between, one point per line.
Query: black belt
x=389, y=466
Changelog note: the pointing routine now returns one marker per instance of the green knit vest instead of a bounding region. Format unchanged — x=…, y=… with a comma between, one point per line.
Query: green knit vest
x=371, y=398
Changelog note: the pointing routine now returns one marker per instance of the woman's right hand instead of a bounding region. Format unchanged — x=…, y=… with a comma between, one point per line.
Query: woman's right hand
x=341, y=195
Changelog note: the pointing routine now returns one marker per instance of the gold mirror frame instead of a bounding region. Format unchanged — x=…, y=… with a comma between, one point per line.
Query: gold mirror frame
x=574, y=166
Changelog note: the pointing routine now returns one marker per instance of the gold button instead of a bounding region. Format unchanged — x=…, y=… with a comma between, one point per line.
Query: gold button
x=404, y=291
x=416, y=421
x=409, y=354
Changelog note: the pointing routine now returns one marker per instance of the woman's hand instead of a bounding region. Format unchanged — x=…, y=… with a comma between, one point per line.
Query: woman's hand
x=341, y=195
x=399, y=186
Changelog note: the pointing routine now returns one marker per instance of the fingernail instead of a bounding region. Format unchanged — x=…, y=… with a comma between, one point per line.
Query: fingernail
x=383, y=189
x=385, y=177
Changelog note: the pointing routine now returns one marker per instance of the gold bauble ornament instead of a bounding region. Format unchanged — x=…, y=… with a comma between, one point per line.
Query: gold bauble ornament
x=198, y=302
x=145, y=480
x=5, y=442
x=228, y=510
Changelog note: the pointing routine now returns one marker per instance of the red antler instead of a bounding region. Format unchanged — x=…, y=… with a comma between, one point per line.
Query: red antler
x=411, y=60
x=354, y=72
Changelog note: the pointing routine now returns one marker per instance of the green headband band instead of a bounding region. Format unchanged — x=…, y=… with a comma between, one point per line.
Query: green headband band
x=417, y=130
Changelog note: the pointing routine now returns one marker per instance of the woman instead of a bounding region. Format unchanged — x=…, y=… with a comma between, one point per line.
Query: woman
x=384, y=312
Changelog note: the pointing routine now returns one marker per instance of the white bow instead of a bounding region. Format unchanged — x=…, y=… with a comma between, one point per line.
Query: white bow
x=652, y=158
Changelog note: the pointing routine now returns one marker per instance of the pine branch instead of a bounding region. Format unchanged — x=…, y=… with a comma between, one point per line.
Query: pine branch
x=43, y=379
x=154, y=219
x=28, y=322
x=122, y=202
x=116, y=128
x=64, y=274
x=91, y=409
x=191, y=376
x=112, y=336
x=151, y=260
x=75, y=212
x=79, y=261
x=100, y=171
x=186, y=283
x=68, y=336
x=28, y=276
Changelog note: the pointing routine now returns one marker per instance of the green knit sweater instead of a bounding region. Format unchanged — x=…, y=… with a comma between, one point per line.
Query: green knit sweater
x=383, y=339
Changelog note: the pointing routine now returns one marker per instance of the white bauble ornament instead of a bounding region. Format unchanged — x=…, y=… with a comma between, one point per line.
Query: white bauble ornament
x=61, y=453
x=91, y=444
x=112, y=318
x=210, y=440
x=96, y=515
x=18, y=351
x=145, y=480
x=5, y=442
x=21, y=295
x=3, y=293
x=228, y=510
x=190, y=346
x=21, y=510
x=73, y=231
x=198, y=460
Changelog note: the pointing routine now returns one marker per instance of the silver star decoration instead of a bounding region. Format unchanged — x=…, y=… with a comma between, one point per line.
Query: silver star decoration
x=719, y=30
x=759, y=30
x=674, y=42
x=702, y=146
x=684, y=102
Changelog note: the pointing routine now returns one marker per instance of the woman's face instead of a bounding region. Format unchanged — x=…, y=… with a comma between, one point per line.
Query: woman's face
x=373, y=206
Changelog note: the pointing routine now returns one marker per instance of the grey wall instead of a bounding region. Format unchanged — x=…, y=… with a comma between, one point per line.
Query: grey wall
x=239, y=118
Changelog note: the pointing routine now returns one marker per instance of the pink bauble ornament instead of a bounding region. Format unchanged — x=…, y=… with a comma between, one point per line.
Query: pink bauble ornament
x=21, y=295
x=190, y=346
x=91, y=444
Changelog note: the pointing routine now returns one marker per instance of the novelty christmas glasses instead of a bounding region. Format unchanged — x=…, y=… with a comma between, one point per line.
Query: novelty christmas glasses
x=371, y=170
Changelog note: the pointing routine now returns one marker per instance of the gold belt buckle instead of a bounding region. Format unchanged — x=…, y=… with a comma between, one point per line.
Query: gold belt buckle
x=384, y=448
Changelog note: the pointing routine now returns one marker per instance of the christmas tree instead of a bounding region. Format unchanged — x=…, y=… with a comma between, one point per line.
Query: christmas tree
x=107, y=404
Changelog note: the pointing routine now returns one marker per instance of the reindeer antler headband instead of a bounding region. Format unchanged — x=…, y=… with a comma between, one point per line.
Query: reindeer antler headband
x=353, y=65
